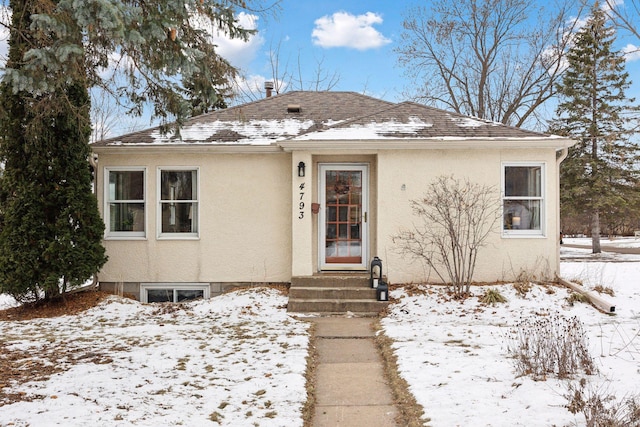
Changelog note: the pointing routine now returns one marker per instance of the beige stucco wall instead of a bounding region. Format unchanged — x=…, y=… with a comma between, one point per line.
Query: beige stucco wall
x=250, y=225
x=245, y=222
x=504, y=257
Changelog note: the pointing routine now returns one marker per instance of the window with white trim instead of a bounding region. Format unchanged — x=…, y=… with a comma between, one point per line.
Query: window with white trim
x=178, y=198
x=523, y=199
x=125, y=202
x=173, y=292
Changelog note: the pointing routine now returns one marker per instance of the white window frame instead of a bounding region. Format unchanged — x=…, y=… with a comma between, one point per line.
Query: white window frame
x=144, y=287
x=177, y=235
x=542, y=198
x=124, y=235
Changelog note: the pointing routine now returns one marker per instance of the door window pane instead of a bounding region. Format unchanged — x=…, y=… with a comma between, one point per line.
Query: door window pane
x=343, y=216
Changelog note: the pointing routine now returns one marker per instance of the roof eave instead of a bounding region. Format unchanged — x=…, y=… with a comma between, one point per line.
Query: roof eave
x=183, y=148
x=427, y=144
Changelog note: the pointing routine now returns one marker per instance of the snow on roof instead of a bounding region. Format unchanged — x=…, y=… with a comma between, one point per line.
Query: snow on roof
x=254, y=132
x=391, y=129
x=321, y=116
x=472, y=122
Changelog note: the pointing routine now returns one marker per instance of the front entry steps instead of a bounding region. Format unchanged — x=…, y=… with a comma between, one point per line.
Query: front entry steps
x=334, y=294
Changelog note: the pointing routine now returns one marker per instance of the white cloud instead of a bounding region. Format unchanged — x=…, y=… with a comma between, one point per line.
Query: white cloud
x=238, y=52
x=345, y=30
x=631, y=52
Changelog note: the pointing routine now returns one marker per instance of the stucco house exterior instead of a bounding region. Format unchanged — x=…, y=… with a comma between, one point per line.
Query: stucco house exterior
x=308, y=184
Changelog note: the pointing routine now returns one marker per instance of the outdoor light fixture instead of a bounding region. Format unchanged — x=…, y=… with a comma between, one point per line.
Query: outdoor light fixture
x=301, y=169
x=376, y=271
x=382, y=291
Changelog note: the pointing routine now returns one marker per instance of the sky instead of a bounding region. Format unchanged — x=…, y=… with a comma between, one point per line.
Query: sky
x=351, y=41
x=355, y=39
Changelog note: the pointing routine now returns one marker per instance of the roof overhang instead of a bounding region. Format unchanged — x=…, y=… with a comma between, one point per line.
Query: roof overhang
x=555, y=143
x=185, y=148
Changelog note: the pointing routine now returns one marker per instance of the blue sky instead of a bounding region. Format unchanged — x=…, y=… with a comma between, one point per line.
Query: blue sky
x=354, y=39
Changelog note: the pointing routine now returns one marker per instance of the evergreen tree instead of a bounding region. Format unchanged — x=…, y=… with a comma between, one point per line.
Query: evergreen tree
x=599, y=175
x=51, y=232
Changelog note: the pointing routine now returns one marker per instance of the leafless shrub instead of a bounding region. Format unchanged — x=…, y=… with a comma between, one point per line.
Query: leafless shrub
x=456, y=218
x=601, y=408
x=522, y=288
x=550, y=345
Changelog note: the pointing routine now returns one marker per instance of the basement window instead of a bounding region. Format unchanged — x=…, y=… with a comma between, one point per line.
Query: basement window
x=173, y=292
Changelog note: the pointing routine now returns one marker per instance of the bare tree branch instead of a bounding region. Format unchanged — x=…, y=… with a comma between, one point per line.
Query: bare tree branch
x=494, y=59
x=625, y=15
x=455, y=219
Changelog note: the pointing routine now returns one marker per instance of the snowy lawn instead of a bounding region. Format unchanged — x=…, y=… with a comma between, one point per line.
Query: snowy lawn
x=455, y=355
x=234, y=360
x=7, y=302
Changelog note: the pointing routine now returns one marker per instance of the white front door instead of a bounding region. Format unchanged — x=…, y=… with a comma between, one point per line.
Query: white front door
x=344, y=191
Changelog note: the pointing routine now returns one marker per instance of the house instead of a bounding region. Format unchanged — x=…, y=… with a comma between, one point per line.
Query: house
x=308, y=184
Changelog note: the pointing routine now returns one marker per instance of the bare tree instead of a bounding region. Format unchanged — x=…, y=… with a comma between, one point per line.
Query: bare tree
x=104, y=116
x=625, y=15
x=494, y=59
x=249, y=88
x=322, y=79
x=455, y=219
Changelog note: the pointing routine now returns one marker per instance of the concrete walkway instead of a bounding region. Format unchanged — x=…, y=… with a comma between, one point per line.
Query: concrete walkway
x=350, y=386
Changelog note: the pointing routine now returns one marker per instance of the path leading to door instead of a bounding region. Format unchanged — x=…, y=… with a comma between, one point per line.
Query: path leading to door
x=350, y=385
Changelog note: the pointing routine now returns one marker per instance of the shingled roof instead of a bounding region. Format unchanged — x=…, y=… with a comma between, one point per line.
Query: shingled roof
x=323, y=116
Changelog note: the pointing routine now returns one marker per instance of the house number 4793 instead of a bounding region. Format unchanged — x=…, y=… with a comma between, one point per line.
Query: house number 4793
x=301, y=204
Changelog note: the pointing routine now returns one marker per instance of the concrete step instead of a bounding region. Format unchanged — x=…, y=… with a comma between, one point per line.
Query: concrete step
x=317, y=292
x=297, y=305
x=332, y=280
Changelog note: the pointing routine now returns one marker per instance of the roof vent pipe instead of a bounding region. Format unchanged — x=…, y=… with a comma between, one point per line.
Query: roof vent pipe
x=268, y=87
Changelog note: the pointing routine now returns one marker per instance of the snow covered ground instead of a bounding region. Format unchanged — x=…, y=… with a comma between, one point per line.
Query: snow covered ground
x=238, y=360
x=7, y=302
x=454, y=355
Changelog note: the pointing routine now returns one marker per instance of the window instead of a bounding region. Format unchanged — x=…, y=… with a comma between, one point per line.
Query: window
x=523, y=199
x=173, y=292
x=178, y=202
x=125, y=202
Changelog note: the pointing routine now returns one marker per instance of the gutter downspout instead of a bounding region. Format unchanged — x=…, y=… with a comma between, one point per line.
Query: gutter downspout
x=560, y=156
x=93, y=161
